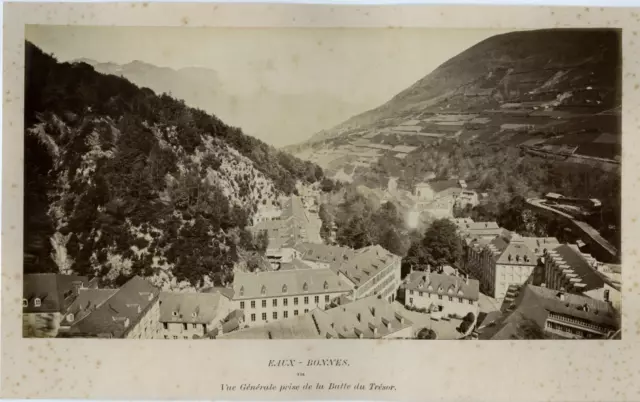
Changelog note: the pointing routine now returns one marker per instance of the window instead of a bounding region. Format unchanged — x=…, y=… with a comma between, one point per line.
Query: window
x=25, y=303
x=285, y=302
x=263, y=291
x=253, y=304
x=175, y=337
x=316, y=299
x=305, y=287
x=295, y=312
x=285, y=314
x=411, y=300
x=459, y=299
x=470, y=301
x=264, y=304
x=186, y=337
x=184, y=326
x=253, y=317
x=242, y=305
x=295, y=301
x=195, y=326
x=275, y=302
x=264, y=316
x=411, y=292
x=242, y=291
x=275, y=315
x=37, y=302
x=165, y=325
x=306, y=310
x=284, y=288
x=450, y=298
x=306, y=300
x=440, y=297
x=420, y=294
x=166, y=337
x=326, y=298
x=326, y=285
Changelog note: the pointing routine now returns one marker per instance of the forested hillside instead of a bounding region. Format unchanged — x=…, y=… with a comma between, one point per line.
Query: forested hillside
x=120, y=181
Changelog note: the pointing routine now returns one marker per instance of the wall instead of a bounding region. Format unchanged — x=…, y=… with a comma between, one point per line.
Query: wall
x=507, y=274
x=280, y=308
x=177, y=330
x=149, y=325
x=384, y=283
x=448, y=307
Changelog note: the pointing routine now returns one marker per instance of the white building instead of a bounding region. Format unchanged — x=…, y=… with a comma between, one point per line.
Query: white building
x=447, y=294
x=183, y=315
x=270, y=296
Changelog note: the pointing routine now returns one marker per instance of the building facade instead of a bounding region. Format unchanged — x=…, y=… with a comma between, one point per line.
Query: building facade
x=189, y=315
x=448, y=294
x=270, y=296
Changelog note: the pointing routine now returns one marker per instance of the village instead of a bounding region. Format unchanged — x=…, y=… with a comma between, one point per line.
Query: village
x=507, y=286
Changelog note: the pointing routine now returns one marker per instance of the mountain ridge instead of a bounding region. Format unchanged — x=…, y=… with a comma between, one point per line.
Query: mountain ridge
x=120, y=181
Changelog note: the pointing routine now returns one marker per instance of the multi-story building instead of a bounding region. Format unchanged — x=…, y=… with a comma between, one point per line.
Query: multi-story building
x=46, y=297
x=539, y=312
x=185, y=315
x=129, y=312
x=497, y=264
x=368, y=318
x=274, y=295
x=568, y=269
x=372, y=271
x=448, y=294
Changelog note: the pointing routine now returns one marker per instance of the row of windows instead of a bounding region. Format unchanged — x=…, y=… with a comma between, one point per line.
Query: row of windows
x=305, y=288
x=36, y=302
x=285, y=302
x=460, y=300
x=274, y=315
x=185, y=326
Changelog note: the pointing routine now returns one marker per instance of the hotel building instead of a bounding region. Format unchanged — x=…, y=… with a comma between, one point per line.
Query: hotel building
x=448, y=294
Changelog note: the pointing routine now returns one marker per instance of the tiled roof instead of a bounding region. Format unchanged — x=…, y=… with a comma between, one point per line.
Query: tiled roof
x=55, y=291
x=295, y=264
x=286, y=283
x=443, y=284
x=370, y=317
x=366, y=263
x=497, y=246
x=226, y=292
x=517, y=254
x=325, y=253
x=281, y=233
x=534, y=303
x=577, y=262
x=87, y=301
x=196, y=308
x=537, y=244
x=128, y=304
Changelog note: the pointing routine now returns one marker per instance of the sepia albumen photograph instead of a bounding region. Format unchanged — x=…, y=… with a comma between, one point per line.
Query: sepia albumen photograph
x=186, y=183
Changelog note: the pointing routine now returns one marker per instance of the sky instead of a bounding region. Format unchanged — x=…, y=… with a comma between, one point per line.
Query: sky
x=361, y=67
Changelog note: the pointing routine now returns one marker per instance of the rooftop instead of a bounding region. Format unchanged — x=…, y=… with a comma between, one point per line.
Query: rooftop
x=366, y=263
x=286, y=283
x=120, y=312
x=534, y=303
x=576, y=261
x=55, y=291
x=517, y=254
x=325, y=253
x=196, y=308
x=422, y=281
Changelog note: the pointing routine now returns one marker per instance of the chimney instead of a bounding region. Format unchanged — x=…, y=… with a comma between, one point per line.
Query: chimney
x=399, y=318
